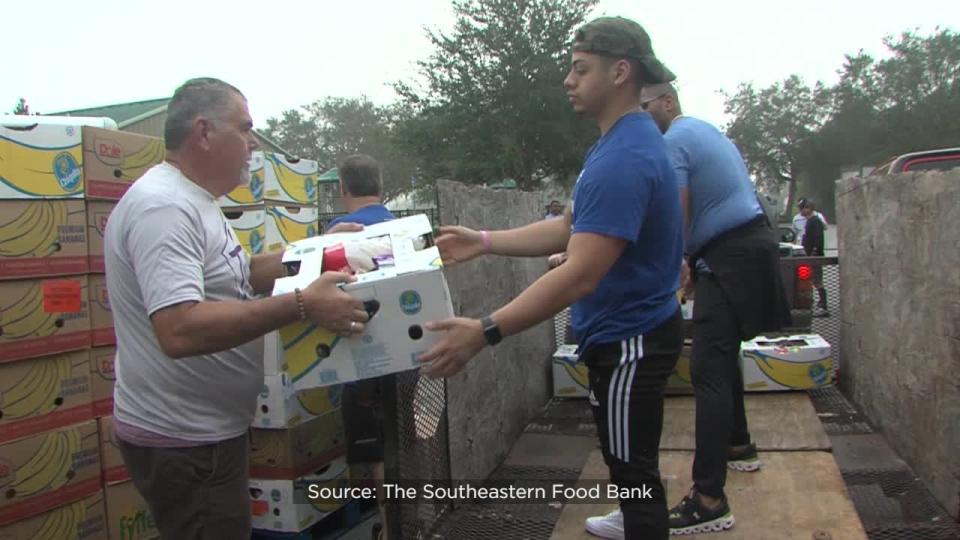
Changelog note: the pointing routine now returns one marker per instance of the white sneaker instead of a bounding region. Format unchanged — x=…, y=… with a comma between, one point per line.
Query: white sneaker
x=608, y=526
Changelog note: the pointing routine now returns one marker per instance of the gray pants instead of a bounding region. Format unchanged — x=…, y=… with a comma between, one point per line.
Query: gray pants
x=195, y=493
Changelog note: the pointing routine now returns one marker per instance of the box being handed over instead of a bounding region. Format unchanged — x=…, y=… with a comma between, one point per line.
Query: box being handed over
x=399, y=268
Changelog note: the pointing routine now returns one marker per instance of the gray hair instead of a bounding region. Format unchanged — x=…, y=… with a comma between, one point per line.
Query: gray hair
x=361, y=176
x=201, y=96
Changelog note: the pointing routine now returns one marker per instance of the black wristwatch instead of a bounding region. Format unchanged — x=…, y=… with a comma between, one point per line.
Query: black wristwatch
x=491, y=331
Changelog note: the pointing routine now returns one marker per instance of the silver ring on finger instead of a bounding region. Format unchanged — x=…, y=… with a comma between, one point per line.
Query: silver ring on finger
x=353, y=325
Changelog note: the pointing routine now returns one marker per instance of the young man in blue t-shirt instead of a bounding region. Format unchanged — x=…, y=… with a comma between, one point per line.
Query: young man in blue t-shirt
x=361, y=186
x=735, y=264
x=622, y=234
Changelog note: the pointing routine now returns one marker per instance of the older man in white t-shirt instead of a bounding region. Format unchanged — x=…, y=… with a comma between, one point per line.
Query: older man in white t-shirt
x=188, y=319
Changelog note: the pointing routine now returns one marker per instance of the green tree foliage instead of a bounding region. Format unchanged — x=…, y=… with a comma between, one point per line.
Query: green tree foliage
x=490, y=102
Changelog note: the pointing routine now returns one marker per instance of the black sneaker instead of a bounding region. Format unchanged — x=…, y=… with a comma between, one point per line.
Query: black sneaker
x=745, y=460
x=691, y=517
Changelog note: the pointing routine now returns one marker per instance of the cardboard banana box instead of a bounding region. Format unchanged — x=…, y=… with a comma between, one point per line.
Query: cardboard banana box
x=41, y=472
x=97, y=214
x=128, y=517
x=85, y=519
x=41, y=317
x=290, y=181
x=286, y=505
x=101, y=317
x=42, y=394
x=113, y=160
x=252, y=193
x=408, y=289
x=111, y=460
x=798, y=362
x=62, y=161
x=40, y=238
x=279, y=406
x=287, y=224
x=249, y=225
x=571, y=378
x=102, y=379
x=291, y=453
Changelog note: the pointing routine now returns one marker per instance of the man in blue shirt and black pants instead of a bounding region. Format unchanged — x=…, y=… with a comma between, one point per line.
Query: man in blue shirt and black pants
x=623, y=237
x=733, y=258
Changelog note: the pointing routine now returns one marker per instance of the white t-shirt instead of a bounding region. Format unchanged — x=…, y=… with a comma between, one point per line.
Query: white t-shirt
x=167, y=242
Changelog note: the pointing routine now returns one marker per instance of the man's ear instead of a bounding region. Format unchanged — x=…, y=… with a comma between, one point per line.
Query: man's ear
x=621, y=72
x=202, y=127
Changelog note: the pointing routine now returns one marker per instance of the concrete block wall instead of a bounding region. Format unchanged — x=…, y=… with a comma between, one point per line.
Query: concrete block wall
x=504, y=387
x=899, y=249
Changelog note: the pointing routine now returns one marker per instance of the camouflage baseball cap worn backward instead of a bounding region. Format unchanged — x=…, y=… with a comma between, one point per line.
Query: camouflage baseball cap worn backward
x=617, y=36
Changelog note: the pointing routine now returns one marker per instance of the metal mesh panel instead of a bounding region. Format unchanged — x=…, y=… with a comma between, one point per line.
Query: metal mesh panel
x=416, y=450
x=829, y=327
x=838, y=415
x=915, y=532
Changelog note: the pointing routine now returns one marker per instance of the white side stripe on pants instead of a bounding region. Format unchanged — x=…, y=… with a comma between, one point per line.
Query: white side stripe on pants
x=618, y=398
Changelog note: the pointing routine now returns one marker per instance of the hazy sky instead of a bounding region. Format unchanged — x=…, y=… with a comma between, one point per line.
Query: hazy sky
x=64, y=54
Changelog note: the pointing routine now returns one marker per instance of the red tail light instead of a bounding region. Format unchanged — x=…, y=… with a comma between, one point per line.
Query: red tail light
x=803, y=272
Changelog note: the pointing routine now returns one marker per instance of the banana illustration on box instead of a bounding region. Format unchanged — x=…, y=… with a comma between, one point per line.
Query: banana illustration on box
x=24, y=317
x=287, y=225
x=317, y=401
x=64, y=522
x=288, y=181
x=249, y=226
x=134, y=165
x=48, y=467
x=35, y=232
x=792, y=374
x=576, y=370
x=335, y=475
x=43, y=162
x=36, y=392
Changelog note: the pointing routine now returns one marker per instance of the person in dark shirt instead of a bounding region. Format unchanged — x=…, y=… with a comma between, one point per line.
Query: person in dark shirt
x=813, y=234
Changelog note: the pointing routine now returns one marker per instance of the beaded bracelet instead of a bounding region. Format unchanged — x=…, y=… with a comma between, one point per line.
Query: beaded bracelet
x=300, y=307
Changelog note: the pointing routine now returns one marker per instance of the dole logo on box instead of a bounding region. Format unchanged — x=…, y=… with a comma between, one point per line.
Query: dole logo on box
x=109, y=149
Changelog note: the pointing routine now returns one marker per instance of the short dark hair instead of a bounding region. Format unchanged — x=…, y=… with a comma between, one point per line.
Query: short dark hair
x=807, y=203
x=360, y=175
x=204, y=95
x=636, y=68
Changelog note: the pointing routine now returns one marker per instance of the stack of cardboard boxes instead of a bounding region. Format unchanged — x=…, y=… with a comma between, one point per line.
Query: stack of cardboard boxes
x=57, y=186
x=297, y=437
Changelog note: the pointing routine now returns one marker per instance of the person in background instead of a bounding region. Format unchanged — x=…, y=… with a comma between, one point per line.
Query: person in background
x=554, y=210
x=800, y=222
x=733, y=262
x=813, y=246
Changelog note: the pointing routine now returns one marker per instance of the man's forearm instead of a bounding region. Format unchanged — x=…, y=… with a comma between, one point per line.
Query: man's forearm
x=549, y=295
x=264, y=270
x=540, y=239
x=210, y=326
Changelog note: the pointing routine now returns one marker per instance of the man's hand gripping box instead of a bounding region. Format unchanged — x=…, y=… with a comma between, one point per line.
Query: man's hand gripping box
x=406, y=281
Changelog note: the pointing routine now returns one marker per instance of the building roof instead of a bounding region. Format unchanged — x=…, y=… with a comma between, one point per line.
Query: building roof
x=122, y=113
x=125, y=114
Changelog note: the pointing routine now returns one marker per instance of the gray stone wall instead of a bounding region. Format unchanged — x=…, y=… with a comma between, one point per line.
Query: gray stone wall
x=504, y=387
x=899, y=244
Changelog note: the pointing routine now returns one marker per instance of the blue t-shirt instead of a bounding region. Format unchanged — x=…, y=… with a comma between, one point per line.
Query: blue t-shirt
x=627, y=189
x=718, y=185
x=368, y=215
